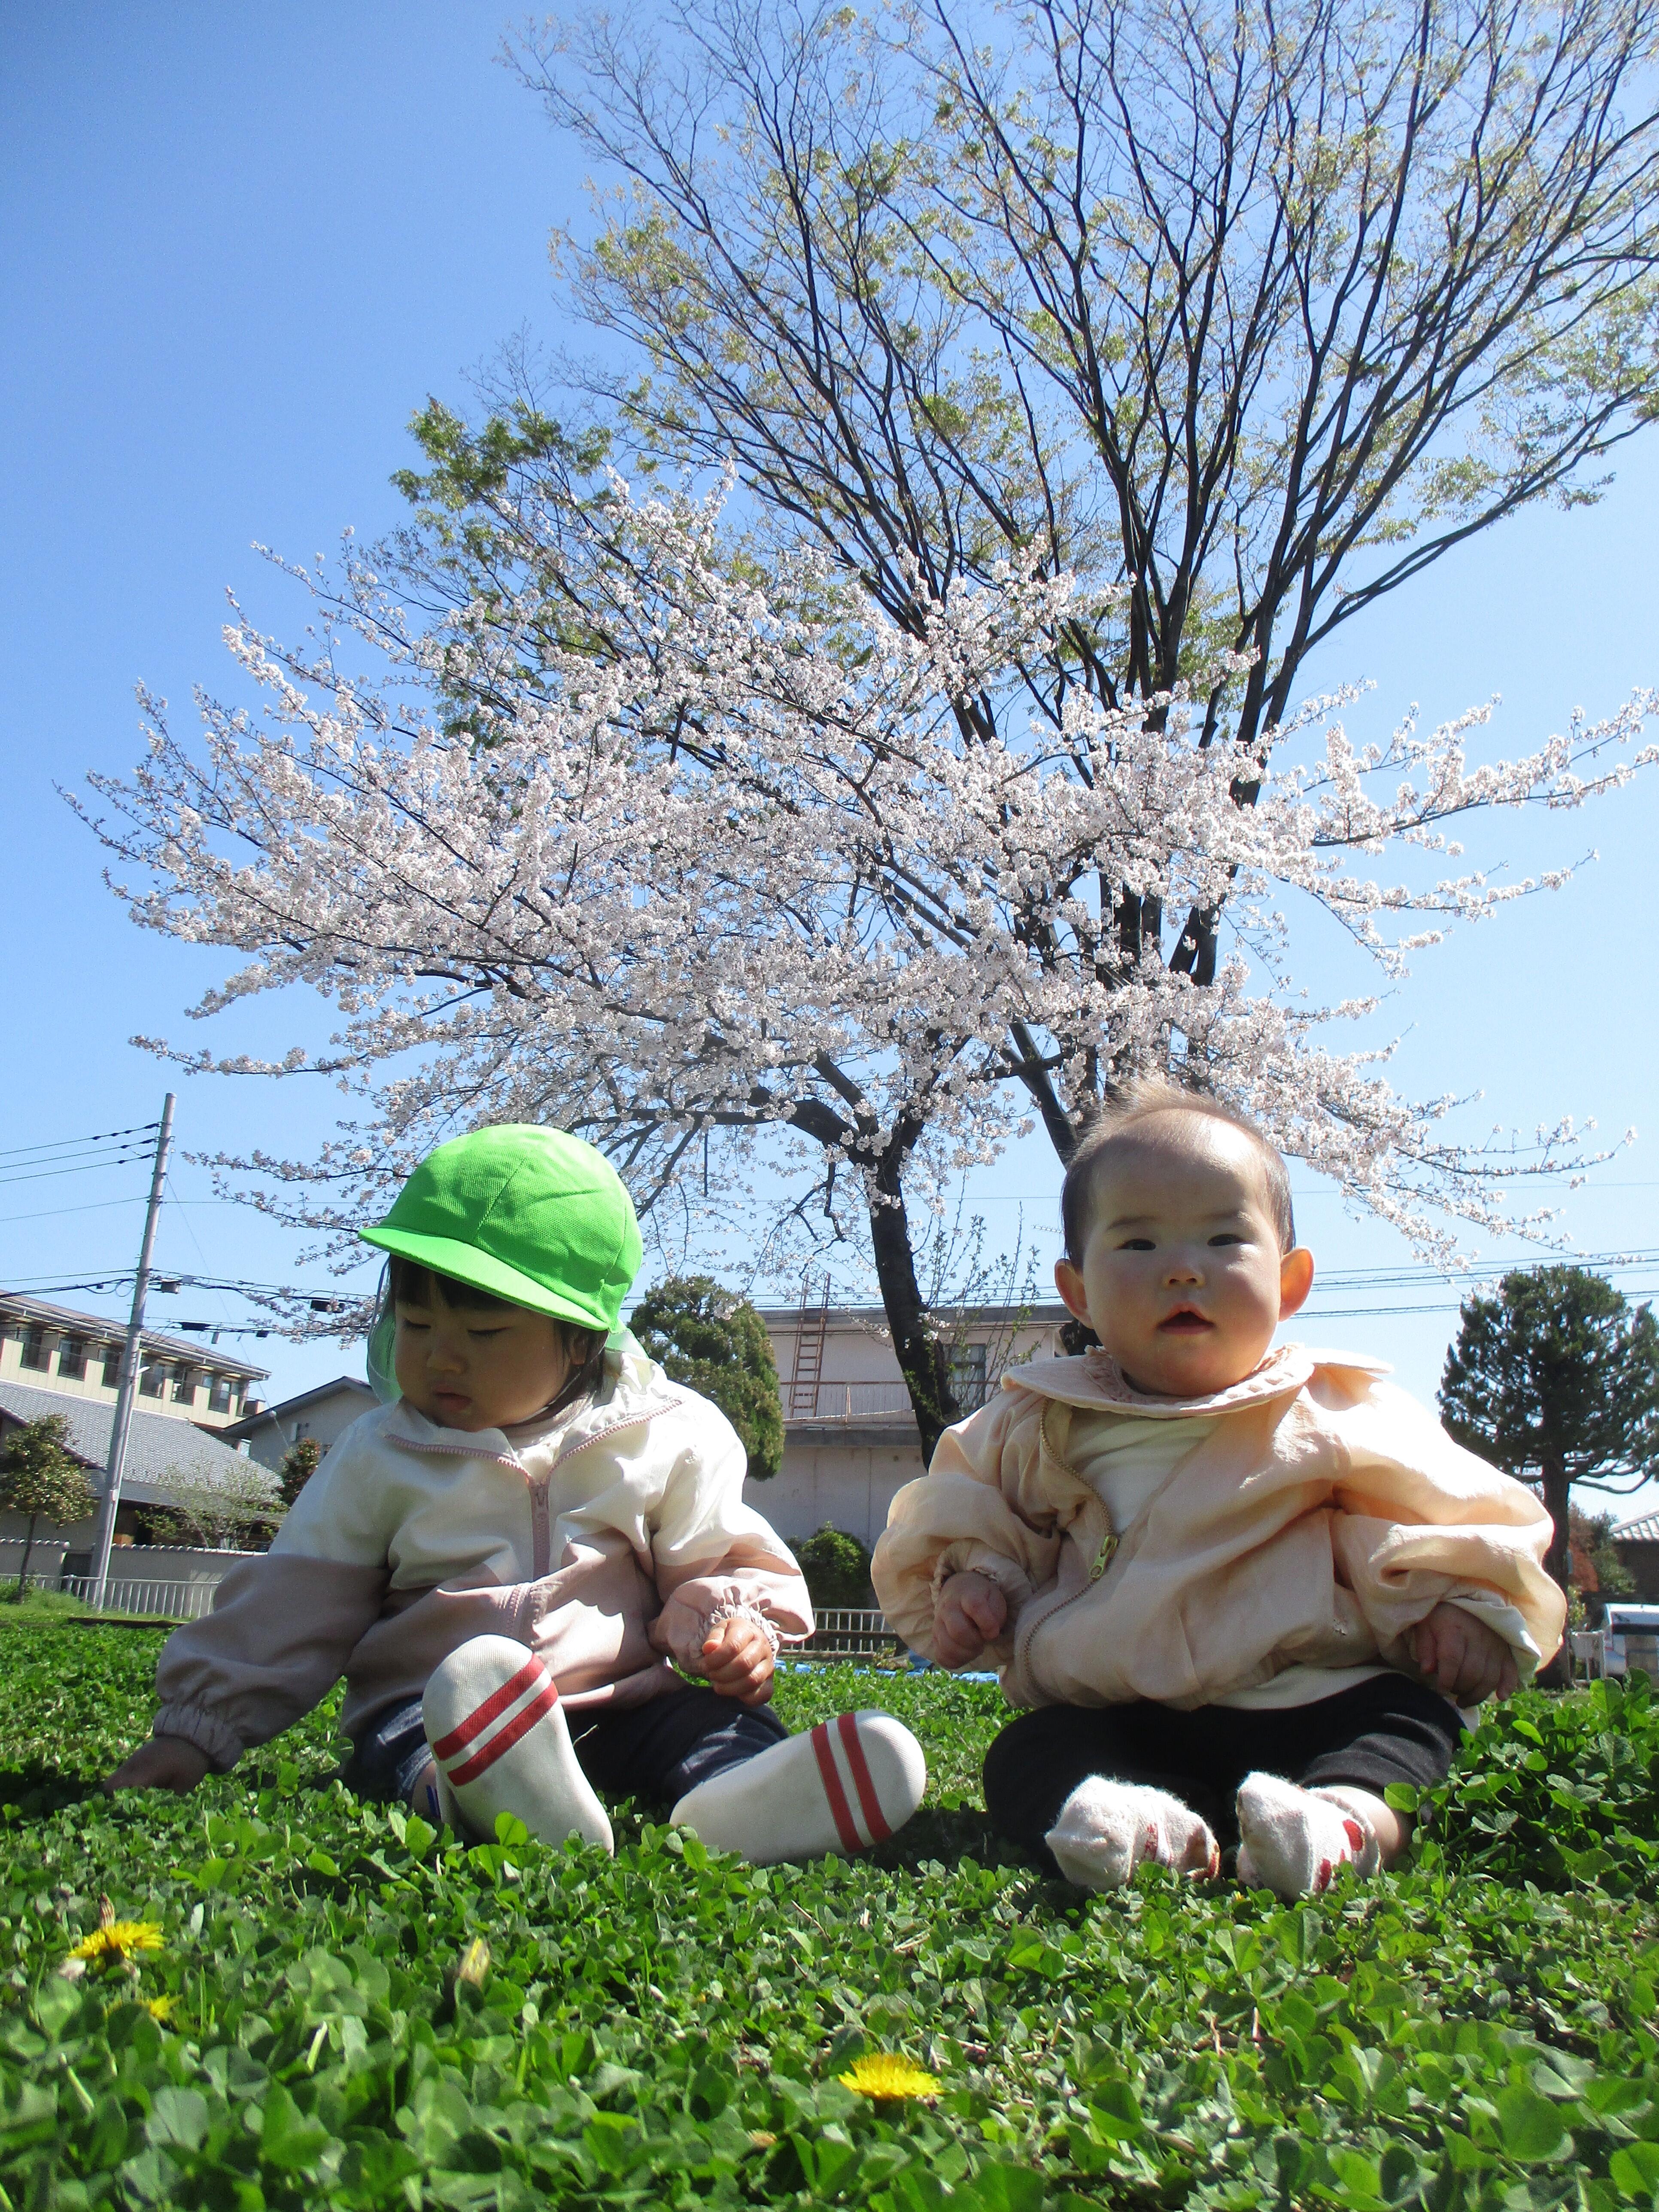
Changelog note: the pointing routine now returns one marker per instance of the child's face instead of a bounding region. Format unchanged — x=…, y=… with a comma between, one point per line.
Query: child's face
x=477, y=1367
x=1182, y=1277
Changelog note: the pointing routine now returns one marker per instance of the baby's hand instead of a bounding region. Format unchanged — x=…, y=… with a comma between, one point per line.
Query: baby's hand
x=738, y=1660
x=165, y=1762
x=1459, y=1654
x=970, y=1611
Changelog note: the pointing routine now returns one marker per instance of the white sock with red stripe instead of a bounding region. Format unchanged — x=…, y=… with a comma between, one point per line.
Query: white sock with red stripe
x=1291, y=1841
x=842, y=1786
x=498, y=1734
x=1106, y=1829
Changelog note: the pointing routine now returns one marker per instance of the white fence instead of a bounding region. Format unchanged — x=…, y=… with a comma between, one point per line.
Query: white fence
x=165, y=1600
x=848, y=1631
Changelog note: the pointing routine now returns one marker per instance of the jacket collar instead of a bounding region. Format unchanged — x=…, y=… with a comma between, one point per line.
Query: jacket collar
x=1097, y=1383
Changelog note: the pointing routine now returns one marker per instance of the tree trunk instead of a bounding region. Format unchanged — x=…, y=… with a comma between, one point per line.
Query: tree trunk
x=921, y=1357
x=29, y=1545
x=1558, y=1560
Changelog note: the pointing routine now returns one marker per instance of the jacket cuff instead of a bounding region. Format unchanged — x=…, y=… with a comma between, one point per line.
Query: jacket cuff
x=1504, y=1619
x=731, y=1609
x=209, y=1735
x=968, y=1557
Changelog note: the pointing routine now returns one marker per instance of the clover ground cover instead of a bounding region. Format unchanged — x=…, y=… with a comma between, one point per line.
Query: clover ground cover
x=355, y=2012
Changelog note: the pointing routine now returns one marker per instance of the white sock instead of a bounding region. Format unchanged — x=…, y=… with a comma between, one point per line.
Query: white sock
x=837, y=1789
x=1291, y=1841
x=498, y=1736
x=1106, y=1829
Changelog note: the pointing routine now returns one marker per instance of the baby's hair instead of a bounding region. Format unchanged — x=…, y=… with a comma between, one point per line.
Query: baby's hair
x=408, y=1281
x=1140, y=1100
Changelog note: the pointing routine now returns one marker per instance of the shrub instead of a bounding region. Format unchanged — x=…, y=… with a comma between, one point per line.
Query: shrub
x=836, y=1567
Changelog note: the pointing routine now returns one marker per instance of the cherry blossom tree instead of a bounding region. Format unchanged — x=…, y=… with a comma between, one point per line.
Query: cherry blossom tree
x=689, y=854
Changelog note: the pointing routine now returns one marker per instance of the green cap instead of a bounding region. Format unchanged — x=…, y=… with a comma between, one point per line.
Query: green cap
x=534, y=1215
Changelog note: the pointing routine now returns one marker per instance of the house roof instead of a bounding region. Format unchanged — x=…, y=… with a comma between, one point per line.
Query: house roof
x=283, y=1407
x=1643, y=1530
x=164, y=1454
x=15, y=1306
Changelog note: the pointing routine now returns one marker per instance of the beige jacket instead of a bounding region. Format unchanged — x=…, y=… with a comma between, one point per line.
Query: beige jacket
x=1315, y=1524
x=608, y=1540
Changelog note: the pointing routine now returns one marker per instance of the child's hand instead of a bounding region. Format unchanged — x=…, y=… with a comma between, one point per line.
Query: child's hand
x=738, y=1660
x=970, y=1611
x=1460, y=1655
x=165, y=1762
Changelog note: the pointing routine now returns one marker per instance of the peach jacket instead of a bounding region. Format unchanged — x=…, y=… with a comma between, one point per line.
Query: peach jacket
x=607, y=1539
x=1314, y=1525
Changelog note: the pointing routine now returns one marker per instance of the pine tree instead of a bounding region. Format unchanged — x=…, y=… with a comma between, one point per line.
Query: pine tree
x=40, y=1476
x=715, y=1342
x=1557, y=1380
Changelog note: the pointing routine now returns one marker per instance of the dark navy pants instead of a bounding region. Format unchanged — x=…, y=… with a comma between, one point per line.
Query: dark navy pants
x=1389, y=1728
x=657, y=1751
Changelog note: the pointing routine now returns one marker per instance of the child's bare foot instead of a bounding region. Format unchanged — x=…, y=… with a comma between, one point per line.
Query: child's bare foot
x=1106, y=1829
x=1293, y=1840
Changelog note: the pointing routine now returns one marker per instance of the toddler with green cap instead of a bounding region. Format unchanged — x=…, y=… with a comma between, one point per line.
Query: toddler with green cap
x=532, y=1562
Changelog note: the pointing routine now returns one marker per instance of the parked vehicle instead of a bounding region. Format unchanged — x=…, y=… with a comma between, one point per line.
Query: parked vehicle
x=1631, y=1640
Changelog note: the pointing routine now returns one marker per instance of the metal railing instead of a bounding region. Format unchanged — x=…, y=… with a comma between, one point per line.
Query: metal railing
x=850, y=1402
x=848, y=1631
x=167, y=1601
x=864, y=1402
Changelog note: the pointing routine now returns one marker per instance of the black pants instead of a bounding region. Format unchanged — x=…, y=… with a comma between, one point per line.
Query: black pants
x=1387, y=1730
x=657, y=1751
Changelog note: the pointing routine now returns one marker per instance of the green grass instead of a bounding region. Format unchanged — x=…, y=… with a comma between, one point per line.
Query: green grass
x=665, y=2029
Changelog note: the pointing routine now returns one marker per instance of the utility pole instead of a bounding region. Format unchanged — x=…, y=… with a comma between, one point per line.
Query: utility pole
x=130, y=1365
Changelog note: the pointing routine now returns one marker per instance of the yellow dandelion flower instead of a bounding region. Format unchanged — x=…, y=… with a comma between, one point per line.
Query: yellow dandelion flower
x=114, y=1943
x=160, y=2008
x=884, y=2073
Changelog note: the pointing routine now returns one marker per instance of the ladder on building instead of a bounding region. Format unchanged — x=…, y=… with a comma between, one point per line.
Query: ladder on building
x=810, y=1330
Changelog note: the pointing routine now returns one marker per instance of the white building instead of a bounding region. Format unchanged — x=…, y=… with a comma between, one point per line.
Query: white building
x=320, y=1415
x=850, y=1437
x=48, y=1347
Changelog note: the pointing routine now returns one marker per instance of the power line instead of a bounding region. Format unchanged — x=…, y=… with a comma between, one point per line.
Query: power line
x=67, y=1144
x=87, y=1167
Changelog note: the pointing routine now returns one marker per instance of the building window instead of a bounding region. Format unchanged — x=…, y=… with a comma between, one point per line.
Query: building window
x=967, y=1377
x=153, y=1380
x=219, y=1393
x=184, y=1384
x=33, y=1353
x=301, y=1431
x=72, y=1357
x=113, y=1366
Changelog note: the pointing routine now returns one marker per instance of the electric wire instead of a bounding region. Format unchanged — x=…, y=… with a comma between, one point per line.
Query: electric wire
x=66, y=1144
x=87, y=1167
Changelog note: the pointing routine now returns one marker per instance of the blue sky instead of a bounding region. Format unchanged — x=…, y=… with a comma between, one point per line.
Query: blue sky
x=241, y=248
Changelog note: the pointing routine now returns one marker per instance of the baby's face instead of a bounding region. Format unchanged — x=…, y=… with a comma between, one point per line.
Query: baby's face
x=1182, y=1277
x=477, y=1367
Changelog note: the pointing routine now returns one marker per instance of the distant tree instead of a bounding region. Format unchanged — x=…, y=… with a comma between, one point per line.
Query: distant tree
x=40, y=1476
x=1557, y=1380
x=298, y=1466
x=236, y=1512
x=1608, y=1577
x=836, y=1567
x=715, y=1342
